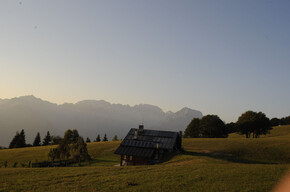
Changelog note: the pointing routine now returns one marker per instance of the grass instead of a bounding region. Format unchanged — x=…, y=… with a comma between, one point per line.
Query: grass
x=231, y=164
x=102, y=153
x=191, y=175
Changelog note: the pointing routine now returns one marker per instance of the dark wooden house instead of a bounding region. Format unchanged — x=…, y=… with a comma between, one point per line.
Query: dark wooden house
x=143, y=146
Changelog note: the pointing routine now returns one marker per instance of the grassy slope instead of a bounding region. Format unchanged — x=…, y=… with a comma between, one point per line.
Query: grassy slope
x=232, y=164
x=102, y=154
x=279, y=131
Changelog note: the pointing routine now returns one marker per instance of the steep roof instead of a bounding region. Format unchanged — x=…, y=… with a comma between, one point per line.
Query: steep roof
x=144, y=143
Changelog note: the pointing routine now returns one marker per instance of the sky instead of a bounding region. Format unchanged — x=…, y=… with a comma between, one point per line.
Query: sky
x=219, y=57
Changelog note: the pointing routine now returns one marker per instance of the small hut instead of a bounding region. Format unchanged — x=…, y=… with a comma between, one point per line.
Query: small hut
x=143, y=146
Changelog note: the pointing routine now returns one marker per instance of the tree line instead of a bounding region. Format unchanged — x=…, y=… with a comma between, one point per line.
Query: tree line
x=19, y=140
x=251, y=124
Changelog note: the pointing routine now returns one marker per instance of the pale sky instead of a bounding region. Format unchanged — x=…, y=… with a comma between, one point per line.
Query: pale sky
x=219, y=57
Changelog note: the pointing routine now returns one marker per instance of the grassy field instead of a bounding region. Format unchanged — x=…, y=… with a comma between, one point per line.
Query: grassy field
x=231, y=164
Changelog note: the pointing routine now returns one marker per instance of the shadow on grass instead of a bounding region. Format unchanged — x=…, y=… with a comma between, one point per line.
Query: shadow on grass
x=103, y=161
x=223, y=156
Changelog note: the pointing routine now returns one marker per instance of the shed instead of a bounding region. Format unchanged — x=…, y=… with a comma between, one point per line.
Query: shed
x=143, y=146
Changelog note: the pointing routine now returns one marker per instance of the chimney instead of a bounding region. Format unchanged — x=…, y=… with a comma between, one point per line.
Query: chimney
x=141, y=128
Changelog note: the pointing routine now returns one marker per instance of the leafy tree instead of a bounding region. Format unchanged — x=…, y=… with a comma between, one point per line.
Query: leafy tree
x=105, y=138
x=53, y=154
x=193, y=129
x=63, y=150
x=55, y=140
x=47, y=139
x=285, y=120
x=88, y=140
x=212, y=126
x=75, y=136
x=246, y=123
x=68, y=136
x=275, y=121
x=37, y=140
x=98, y=139
x=79, y=151
x=231, y=127
x=71, y=136
x=253, y=123
x=115, y=138
x=71, y=146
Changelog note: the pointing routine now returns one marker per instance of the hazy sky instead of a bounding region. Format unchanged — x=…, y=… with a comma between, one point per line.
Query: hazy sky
x=219, y=57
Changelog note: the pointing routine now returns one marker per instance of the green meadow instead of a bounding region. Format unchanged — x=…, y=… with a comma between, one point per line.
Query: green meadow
x=233, y=164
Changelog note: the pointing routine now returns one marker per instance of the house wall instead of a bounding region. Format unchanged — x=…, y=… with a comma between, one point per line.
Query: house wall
x=133, y=160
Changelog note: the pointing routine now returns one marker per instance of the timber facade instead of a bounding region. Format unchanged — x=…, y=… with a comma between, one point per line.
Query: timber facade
x=143, y=146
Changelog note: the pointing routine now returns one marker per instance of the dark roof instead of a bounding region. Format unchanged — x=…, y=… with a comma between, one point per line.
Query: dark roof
x=146, y=142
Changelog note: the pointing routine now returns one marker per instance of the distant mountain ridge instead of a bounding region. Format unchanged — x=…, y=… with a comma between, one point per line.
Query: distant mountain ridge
x=89, y=117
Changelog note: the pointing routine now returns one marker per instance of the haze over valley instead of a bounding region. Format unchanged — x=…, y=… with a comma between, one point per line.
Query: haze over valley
x=89, y=117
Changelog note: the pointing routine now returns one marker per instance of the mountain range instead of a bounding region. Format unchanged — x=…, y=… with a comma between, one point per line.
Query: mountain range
x=89, y=117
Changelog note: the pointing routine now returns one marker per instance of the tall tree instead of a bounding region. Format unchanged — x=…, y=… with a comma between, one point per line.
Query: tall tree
x=37, y=140
x=253, y=123
x=22, y=140
x=13, y=143
x=68, y=136
x=63, y=150
x=193, y=129
x=211, y=126
x=68, y=147
x=79, y=151
x=98, y=139
x=75, y=135
x=105, y=138
x=18, y=141
x=47, y=139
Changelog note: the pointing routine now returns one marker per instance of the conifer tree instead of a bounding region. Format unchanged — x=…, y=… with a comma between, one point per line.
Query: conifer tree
x=47, y=139
x=105, y=138
x=13, y=143
x=21, y=140
x=98, y=139
x=37, y=140
x=18, y=141
x=88, y=140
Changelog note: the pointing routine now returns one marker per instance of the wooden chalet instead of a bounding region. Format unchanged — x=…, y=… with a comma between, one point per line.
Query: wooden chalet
x=143, y=146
